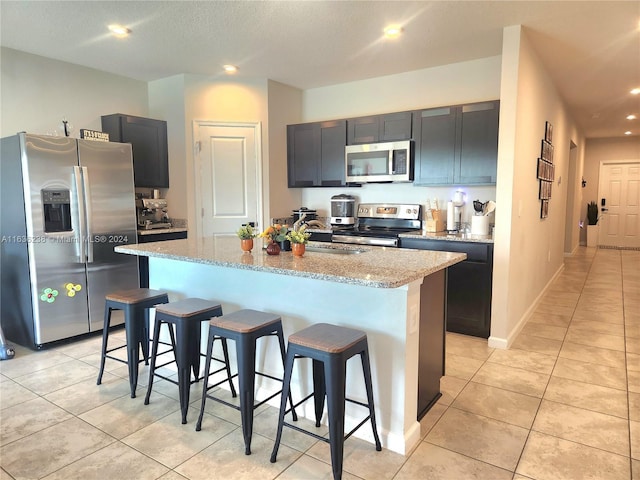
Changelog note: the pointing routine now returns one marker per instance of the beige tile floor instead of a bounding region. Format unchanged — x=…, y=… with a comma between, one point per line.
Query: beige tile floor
x=562, y=403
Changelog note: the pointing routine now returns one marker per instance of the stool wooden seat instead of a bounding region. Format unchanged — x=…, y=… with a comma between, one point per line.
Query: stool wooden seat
x=136, y=304
x=244, y=327
x=186, y=316
x=329, y=346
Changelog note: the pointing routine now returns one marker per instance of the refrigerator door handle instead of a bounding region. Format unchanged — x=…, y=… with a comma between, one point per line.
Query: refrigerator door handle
x=82, y=227
x=87, y=208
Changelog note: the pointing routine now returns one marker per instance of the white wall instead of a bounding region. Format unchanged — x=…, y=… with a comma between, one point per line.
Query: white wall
x=186, y=98
x=528, y=249
x=166, y=101
x=465, y=82
x=285, y=108
x=472, y=81
x=38, y=92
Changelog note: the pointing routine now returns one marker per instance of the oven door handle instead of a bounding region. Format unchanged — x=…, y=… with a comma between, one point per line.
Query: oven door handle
x=380, y=242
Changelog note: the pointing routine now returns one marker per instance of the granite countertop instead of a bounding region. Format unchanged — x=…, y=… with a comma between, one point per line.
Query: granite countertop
x=454, y=237
x=370, y=266
x=156, y=231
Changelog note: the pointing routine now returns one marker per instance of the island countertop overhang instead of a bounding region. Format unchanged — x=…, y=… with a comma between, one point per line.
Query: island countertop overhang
x=378, y=267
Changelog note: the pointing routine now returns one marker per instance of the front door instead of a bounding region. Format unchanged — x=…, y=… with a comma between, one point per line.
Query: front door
x=619, y=198
x=227, y=175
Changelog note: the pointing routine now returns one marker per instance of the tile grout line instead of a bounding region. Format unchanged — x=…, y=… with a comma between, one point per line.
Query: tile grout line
x=515, y=472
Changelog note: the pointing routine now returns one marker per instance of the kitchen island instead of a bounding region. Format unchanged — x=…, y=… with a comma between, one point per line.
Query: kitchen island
x=397, y=296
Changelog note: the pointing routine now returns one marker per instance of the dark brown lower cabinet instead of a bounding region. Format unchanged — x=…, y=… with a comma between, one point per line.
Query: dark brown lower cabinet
x=469, y=286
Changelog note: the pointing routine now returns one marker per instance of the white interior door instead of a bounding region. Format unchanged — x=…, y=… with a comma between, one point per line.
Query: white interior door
x=227, y=175
x=619, y=190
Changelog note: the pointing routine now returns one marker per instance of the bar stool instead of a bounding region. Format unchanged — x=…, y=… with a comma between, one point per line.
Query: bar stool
x=244, y=327
x=136, y=304
x=186, y=316
x=330, y=346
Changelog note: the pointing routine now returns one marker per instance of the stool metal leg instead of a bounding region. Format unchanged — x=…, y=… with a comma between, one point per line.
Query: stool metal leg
x=283, y=354
x=319, y=390
x=183, y=350
x=154, y=353
x=132, y=330
x=194, y=351
x=286, y=392
x=207, y=366
x=105, y=337
x=246, y=356
x=144, y=335
x=225, y=352
x=335, y=369
x=205, y=385
x=366, y=369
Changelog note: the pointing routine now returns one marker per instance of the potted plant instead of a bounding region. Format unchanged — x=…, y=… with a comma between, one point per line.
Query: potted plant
x=592, y=224
x=246, y=235
x=298, y=239
x=275, y=234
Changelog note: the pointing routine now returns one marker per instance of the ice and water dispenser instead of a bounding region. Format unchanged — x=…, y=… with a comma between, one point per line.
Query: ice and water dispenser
x=56, y=205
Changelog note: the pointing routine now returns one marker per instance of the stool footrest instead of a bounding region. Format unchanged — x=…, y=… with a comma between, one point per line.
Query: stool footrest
x=191, y=382
x=119, y=359
x=226, y=380
x=302, y=430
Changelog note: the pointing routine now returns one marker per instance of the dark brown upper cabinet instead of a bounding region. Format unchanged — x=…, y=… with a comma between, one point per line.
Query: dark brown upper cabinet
x=457, y=144
x=148, y=139
x=315, y=154
x=379, y=128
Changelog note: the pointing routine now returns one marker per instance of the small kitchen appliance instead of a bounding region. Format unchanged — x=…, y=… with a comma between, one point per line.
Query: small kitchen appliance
x=152, y=213
x=343, y=209
x=307, y=214
x=454, y=211
x=381, y=224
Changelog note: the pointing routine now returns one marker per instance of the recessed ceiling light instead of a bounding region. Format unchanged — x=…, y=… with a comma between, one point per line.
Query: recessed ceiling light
x=230, y=68
x=631, y=117
x=628, y=132
x=635, y=91
x=119, y=31
x=392, y=31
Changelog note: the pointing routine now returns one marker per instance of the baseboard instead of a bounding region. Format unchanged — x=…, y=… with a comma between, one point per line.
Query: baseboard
x=505, y=343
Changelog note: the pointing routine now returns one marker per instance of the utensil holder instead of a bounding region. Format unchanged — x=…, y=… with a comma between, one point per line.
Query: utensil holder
x=480, y=225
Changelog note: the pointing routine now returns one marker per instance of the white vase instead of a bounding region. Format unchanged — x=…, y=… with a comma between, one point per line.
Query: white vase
x=592, y=235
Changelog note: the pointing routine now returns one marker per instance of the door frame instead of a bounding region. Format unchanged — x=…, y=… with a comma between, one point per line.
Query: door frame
x=602, y=164
x=197, y=170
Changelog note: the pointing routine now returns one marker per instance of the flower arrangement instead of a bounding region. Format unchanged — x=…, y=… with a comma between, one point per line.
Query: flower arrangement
x=299, y=236
x=276, y=233
x=246, y=232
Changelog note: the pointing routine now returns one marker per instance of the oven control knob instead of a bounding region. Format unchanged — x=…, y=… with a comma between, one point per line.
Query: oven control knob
x=408, y=210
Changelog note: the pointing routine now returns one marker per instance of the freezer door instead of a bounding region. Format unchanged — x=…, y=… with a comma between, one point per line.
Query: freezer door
x=56, y=267
x=109, y=204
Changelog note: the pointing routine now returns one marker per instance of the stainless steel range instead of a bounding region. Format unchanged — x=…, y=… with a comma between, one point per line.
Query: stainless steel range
x=381, y=224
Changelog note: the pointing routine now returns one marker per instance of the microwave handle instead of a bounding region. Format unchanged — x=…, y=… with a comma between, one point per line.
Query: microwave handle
x=392, y=161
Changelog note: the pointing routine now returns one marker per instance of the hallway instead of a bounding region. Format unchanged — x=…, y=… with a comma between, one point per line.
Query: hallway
x=562, y=403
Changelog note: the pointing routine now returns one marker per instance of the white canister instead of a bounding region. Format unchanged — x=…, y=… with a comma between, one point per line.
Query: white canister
x=480, y=225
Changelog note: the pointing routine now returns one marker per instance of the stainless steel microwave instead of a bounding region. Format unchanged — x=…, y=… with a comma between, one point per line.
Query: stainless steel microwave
x=379, y=162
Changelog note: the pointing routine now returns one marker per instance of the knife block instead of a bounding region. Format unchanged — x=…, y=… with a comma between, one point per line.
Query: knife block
x=432, y=226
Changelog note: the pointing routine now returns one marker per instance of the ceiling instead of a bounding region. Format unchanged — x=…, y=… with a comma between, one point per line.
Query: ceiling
x=591, y=49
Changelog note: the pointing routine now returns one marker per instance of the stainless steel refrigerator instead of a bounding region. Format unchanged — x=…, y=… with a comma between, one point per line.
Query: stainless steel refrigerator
x=64, y=205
